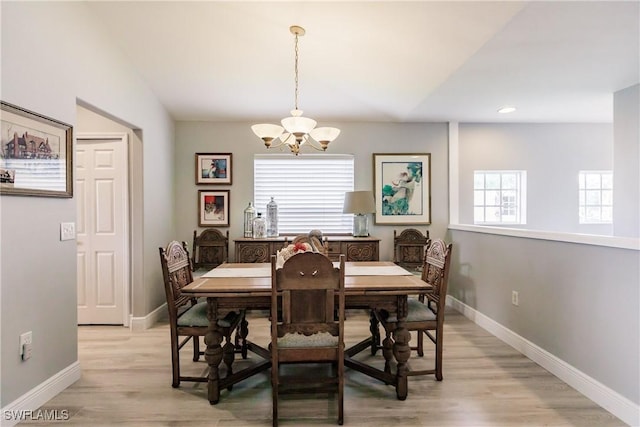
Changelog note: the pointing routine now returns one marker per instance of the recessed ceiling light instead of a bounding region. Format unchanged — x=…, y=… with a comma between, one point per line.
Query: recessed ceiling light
x=506, y=109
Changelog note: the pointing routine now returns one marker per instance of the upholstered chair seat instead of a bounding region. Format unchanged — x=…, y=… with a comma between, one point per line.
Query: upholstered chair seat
x=197, y=316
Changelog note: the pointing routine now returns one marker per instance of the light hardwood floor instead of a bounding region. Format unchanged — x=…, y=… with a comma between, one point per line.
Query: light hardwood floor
x=126, y=381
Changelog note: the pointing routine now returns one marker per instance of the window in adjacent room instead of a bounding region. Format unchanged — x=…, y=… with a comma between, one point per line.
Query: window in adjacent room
x=309, y=191
x=595, y=195
x=499, y=197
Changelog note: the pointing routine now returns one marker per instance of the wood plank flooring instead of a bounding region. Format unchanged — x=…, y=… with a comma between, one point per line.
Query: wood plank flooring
x=126, y=381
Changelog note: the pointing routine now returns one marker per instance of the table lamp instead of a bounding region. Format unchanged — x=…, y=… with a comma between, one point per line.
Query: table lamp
x=360, y=203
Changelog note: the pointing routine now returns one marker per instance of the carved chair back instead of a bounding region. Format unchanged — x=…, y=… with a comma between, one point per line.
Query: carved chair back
x=409, y=248
x=176, y=270
x=308, y=284
x=210, y=249
x=435, y=271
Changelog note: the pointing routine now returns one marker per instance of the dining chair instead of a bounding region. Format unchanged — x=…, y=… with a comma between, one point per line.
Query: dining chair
x=409, y=248
x=209, y=250
x=306, y=331
x=187, y=317
x=425, y=312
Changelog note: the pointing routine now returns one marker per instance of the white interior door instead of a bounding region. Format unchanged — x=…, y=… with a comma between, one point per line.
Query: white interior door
x=102, y=230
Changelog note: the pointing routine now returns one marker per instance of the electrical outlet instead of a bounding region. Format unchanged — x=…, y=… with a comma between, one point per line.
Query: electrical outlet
x=67, y=230
x=26, y=342
x=514, y=298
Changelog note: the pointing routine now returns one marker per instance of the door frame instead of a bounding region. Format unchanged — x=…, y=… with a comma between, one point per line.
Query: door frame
x=123, y=138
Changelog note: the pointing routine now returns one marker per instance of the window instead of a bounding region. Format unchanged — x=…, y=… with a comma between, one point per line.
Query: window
x=309, y=191
x=499, y=197
x=595, y=195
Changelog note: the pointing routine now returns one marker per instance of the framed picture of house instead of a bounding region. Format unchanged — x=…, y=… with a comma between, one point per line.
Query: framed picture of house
x=402, y=188
x=35, y=154
x=213, y=168
x=213, y=208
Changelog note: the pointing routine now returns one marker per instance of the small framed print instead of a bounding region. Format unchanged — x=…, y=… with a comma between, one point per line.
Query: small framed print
x=213, y=208
x=402, y=184
x=213, y=168
x=35, y=154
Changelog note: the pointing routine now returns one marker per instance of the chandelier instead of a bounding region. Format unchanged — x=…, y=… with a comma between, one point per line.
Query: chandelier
x=296, y=130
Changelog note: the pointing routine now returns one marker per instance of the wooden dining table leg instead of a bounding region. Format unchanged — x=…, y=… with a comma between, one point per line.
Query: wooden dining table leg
x=401, y=349
x=375, y=333
x=213, y=353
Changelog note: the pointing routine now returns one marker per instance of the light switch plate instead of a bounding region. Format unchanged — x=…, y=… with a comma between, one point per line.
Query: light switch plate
x=67, y=230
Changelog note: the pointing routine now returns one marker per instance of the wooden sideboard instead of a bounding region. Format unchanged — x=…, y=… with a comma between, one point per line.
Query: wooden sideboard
x=355, y=248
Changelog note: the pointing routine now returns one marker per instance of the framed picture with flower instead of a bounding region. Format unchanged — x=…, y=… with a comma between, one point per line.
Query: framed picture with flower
x=213, y=208
x=402, y=188
x=213, y=168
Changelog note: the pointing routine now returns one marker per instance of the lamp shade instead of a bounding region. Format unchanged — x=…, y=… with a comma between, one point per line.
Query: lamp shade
x=298, y=124
x=324, y=134
x=359, y=202
x=266, y=130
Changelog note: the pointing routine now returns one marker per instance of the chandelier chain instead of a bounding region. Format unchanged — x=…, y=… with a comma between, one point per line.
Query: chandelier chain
x=296, y=73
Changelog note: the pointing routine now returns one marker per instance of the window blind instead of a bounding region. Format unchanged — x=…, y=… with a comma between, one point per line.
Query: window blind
x=309, y=191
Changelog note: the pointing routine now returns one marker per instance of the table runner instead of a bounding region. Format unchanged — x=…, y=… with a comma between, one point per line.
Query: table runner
x=350, y=270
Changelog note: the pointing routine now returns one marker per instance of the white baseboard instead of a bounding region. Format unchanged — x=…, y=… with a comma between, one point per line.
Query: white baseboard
x=39, y=395
x=618, y=405
x=139, y=324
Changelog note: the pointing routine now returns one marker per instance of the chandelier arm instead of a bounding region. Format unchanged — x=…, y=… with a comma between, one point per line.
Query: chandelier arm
x=313, y=144
x=278, y=144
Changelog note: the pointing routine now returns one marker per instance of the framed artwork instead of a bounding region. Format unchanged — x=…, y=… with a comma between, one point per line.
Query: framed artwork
x=35, y=154
x=402, y=188
x=213, y=168
x=213, y=208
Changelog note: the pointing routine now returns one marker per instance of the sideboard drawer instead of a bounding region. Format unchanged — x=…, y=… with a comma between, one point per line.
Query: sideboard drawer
x=360, y=251
x=355, y=248
x=253, y=252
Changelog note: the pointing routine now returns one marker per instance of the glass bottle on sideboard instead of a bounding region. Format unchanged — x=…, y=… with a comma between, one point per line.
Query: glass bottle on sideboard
x=272, y=218
x=249, y=216
x=259, y=227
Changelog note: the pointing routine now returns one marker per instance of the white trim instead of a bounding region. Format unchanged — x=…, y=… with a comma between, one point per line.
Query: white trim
x=42, y=393
x=123, y=137
x=454, y=186
x=585, y=239
x=618, y=405
x=139, y=324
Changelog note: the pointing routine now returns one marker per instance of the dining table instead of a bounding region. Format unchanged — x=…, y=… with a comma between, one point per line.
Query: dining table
x=247, y=286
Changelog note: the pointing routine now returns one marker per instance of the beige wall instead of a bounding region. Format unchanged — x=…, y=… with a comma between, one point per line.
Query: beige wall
x=46, y=68
x=552, y=154
x=580, y=303
x=359, y=139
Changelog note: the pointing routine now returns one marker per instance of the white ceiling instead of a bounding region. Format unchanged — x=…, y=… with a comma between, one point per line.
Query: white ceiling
x=381, y=61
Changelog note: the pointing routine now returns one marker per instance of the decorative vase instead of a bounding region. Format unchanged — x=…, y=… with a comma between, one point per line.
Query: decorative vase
x=272, y=218
x=249, y=215
x=259, y=227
